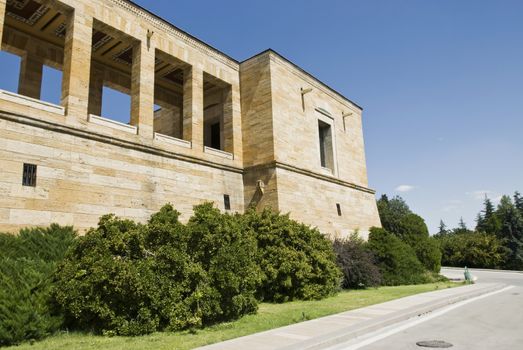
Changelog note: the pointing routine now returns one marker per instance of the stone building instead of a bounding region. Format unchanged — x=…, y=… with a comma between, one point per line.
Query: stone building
x=202, y=126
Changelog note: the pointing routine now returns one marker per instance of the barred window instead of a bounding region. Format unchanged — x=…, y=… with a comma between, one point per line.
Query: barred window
x=226, y=202
x=29, y=175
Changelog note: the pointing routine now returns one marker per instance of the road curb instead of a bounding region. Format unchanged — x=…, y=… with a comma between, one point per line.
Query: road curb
x=351, y=332
x=478, y=269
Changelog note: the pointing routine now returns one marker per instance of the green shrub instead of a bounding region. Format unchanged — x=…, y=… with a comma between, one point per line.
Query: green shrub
x=356, y=263
x=399, y=220
x=428, y=253
x=129, y=279
x=396, y=260
x=26, y=262
x=227, y=251
x=297, y=261
x=472, y=249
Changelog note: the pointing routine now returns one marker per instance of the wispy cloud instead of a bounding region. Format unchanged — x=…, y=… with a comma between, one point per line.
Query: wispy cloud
x=404, y=188
x=452, y=205
x=480, y=194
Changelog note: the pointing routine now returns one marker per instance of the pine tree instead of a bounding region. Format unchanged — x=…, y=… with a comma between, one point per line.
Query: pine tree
x=462, y=227
x=518, y=202
x=442, y=228
x=488, y=222
x=511, y=230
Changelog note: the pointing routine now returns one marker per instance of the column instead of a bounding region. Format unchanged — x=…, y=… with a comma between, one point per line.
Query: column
x=30, y=79
x=96, y=85
x=77, y=64
x=2, y=18
x=193, y=106
x=232, y=121
x=142, y=89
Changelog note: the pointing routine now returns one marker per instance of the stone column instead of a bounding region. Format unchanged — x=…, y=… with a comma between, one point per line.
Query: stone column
x=96, y=85
x=232, y=121
x=2, y=18
x=193, y=106
x=142, y=89
x=30, y=79
x=77, y=64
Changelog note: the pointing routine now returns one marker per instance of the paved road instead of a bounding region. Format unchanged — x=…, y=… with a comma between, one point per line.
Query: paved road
x=489, y=322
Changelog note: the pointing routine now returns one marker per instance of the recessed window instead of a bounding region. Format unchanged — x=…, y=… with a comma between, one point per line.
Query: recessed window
x=326, y=155
x=338, y=208
x=29, y=175
x=227, y=202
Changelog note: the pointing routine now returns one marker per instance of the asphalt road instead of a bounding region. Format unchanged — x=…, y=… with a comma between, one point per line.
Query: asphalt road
x=493, y=322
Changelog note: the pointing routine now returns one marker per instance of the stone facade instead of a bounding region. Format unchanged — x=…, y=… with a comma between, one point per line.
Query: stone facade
x=202, y=125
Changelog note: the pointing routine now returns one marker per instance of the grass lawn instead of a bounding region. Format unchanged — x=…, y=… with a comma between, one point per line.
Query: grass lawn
x=269, y=316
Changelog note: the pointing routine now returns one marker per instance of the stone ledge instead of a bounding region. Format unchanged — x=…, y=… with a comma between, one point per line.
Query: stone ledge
x=172, y=140
x=218, y=153
x=292, y=168
x=112, y=124
x=86, y=134
x=31, y=102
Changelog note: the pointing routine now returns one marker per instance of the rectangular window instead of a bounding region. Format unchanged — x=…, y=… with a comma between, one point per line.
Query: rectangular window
x=338, y=208
x=29, y=175
x=326, y=154
x=226, y=202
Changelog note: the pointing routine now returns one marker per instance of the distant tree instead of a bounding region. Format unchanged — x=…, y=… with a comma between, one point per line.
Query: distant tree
x=399, y=220
x=511, y=231
x=518, y=202
x=462, y=225
x=442, y=228
x=391, y=212
x=489, y=221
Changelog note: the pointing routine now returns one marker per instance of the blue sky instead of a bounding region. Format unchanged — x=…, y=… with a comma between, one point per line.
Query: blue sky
x=440, y=81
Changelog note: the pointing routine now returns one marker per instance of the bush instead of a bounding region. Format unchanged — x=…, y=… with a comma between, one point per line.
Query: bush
x=297, y=261
x=130, y=279
x=472, y=249
x=124, y=278
x=413, y=231
x=396, y=260
x=356, y=263
x=399, y=220
x=227, y=251
x=26, y=263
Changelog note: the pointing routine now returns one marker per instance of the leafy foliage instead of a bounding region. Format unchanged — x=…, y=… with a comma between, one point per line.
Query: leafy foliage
x=396, y=260
x=472, y=249
x=227, y=251
x=497, y=241
x=399, y=220
x=26, y=262
x=356, y=262
x=297, y=261
x=129, y=279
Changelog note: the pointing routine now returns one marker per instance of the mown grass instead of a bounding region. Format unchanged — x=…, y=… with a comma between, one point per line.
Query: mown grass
x=269, y=316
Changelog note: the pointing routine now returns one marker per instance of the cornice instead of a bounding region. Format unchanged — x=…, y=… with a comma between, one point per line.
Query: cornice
x=190, y=40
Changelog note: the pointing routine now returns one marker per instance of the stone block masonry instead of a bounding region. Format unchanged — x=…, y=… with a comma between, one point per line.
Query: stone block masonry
x=201, y=126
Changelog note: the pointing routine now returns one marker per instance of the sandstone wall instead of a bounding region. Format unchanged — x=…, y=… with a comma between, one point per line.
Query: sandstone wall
x=80, y=179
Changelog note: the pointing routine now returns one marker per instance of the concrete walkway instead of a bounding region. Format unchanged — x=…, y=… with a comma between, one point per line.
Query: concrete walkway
x=331, y=330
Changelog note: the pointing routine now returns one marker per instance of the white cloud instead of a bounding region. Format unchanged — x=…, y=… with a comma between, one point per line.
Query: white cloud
x=450, y=207
x=404, y=188
x=480, y=194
